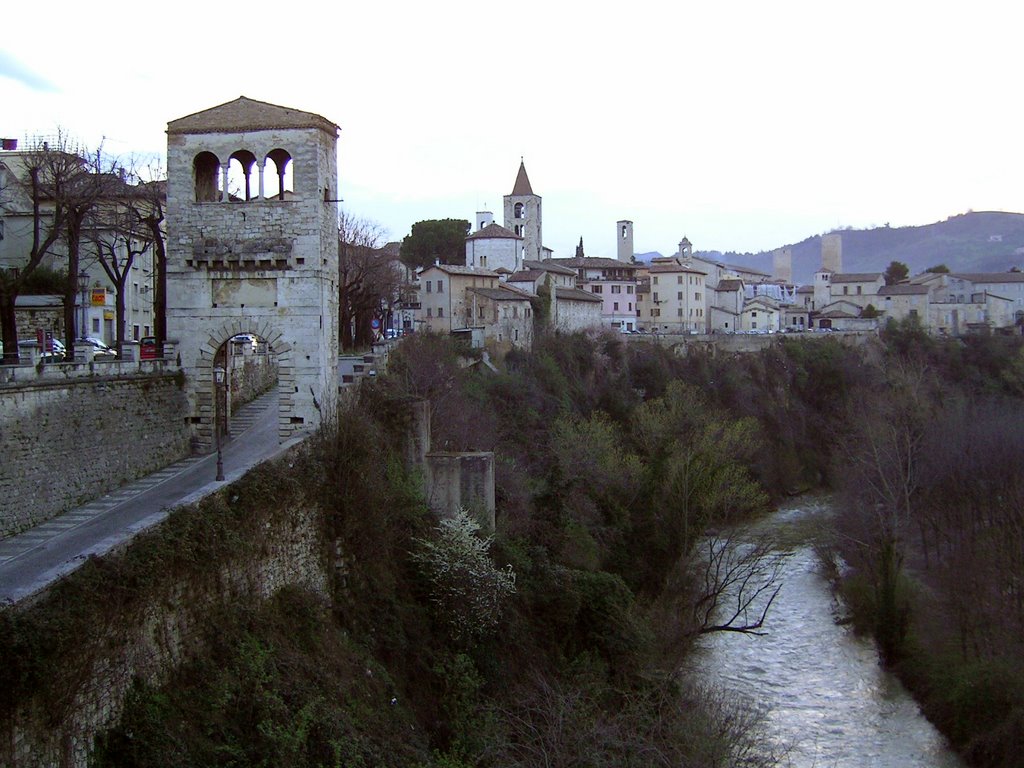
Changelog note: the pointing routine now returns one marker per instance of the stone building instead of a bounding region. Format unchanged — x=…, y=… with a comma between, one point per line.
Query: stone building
x=523, y=216
x=252, y=214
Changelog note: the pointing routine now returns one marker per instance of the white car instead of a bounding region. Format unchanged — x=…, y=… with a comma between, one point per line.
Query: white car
x=102, y=350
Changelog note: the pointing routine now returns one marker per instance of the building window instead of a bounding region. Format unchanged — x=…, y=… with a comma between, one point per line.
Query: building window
x=430, y=288
x=846, y=290
x=615, y=308
x=518, y=211
x=440, y=287
x=440, y=311
x=430, y=311
x=679, y=296
x=597, y=288
x=679, y=280
x=696, y=296
x=858, y=290
x=135, y=333
x=679, y=312
x=616, y=289
x=95, y=325
x=629, y=289
x=655, y=298
x=654, y=280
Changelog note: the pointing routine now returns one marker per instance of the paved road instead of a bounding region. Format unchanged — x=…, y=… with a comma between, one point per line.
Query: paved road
x=33, y=559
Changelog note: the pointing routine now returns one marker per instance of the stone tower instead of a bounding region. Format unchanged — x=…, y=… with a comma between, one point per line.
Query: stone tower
x=252, y=214
x=832, y=252
x=624, y=238
x=782, y=264
x=523, y=215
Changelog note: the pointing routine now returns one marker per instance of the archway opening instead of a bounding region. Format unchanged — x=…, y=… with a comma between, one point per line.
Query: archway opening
x=206, y=175
x=278, y=175
x=242, y=185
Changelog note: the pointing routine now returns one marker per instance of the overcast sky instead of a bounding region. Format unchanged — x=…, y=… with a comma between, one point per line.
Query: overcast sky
x=742, y=125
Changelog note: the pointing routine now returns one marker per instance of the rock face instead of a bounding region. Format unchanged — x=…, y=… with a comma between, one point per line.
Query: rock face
x=253, y=248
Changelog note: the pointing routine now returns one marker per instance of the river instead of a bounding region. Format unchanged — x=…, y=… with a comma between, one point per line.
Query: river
x=827, y=700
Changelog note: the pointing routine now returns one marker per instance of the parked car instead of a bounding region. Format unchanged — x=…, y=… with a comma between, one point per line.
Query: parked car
x=101, y=349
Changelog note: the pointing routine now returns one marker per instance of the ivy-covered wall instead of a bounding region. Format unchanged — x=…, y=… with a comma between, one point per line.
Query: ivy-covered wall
x=71, y=657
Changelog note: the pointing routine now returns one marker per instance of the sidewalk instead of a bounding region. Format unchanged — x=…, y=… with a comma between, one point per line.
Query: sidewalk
x=33, y=559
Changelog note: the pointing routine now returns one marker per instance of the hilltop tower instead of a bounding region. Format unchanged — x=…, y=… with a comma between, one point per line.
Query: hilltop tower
x=624, y=238
x=832, y=252
x=782, y=264
x=523, y=215
x=252, y=211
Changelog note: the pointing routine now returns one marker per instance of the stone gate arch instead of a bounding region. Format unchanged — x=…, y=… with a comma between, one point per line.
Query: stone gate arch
x=268, y=267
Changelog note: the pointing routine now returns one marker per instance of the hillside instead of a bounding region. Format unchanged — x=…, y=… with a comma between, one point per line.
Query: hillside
x=970, y=242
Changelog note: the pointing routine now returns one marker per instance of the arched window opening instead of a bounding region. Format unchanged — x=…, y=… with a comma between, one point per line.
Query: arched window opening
x=518, y=211
x=241, y=184
x=278, y=175
x=519, y=231
x=206, y=174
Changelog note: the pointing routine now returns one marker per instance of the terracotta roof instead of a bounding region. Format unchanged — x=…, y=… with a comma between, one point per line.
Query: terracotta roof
x=458, y=269
x=494, y=231
x=659, y=268
x=500, y=294
x=855, y=277
x=593, y=262
x=748, y=270
x=522, y=185
x=242, y=115
x=991, y=277
x=805, y=289
x=548, y=266
x=575, y=294
x=525, y=276
x=730, y=284
x=903, y=289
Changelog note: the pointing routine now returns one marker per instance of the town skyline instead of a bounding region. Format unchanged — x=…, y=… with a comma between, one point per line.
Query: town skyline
x=743, y=129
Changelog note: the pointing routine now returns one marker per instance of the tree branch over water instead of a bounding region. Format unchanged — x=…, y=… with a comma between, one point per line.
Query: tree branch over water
x=740, y=581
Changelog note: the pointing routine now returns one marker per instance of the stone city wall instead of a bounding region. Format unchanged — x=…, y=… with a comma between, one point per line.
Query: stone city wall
x=147, y=641
x=68, y=441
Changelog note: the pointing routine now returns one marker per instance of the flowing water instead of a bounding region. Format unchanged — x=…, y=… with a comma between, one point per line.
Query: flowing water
x=826, y=698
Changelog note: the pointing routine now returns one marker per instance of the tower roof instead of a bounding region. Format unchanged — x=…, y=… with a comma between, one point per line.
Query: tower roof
x=245, y=114
x=522, y=185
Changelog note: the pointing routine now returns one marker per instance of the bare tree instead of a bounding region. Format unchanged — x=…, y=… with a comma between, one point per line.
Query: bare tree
x=118, y=235
x=52, y=185
x=737, y=582
x=367, y=280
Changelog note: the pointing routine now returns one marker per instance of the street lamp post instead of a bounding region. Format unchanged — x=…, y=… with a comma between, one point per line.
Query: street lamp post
x=83, y=287
x=218, y=377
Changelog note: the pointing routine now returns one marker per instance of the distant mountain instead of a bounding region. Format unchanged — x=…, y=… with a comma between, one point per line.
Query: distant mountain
x=971, y=242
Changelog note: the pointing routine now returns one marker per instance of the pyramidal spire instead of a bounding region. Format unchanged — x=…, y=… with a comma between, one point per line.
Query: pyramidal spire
x=522, y=186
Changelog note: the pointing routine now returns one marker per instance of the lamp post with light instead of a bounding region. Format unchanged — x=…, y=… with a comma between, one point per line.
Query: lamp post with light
x=83, y=287
x=218, y=378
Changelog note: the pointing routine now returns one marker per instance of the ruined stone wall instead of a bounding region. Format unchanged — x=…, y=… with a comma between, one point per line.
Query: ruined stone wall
x=148, y=641
x=67, y=442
